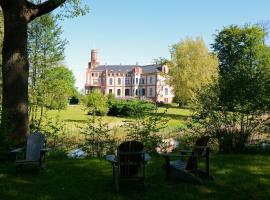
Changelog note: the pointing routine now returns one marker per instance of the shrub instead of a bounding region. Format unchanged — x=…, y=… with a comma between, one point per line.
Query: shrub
x=145, y=128
x=230, y=127
x=98, y=141
x=96, y=103
x=129, y=107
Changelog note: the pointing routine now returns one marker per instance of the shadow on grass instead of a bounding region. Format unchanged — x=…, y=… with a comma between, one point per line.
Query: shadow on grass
x=175, y=116
x=236, y=177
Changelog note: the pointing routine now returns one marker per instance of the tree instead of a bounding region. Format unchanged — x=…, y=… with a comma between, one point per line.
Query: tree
x=1, y=46
x=161, y=61
x=45, y=52
x=15, y=70
x=54, y=91
x=244, y=67
x=192, y=67
x=237, y=105
x=96, y=103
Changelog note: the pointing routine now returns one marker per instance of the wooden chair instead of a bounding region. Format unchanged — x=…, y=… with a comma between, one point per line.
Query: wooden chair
x=189, y=170
x=34, y=152
x=129, y=162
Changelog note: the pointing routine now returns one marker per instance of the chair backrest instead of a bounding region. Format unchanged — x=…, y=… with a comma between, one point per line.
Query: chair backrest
x=203, y=141
x=35, y=142
x=131, y=158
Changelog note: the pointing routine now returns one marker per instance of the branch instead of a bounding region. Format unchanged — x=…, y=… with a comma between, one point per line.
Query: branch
x=44, y=8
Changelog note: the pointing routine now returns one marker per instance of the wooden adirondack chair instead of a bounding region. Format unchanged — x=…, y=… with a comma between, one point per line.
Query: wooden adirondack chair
x=189, y=170
x=34, y=152
x=129, y=162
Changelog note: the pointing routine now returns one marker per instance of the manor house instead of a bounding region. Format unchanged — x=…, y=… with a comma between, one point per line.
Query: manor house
x=126, y=81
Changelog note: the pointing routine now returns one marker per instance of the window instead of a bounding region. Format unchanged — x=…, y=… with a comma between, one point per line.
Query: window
x=142, y=81
x=127, y=82
x=118, y=92
x=110, y=91
x=133, y=81
x=151, y=92
x=166, y=91
x=136, y=92
x=119, y=81
x=143, y=92
x=110, y=81
x=127, y=92
x=137, y=81
x=151, y=80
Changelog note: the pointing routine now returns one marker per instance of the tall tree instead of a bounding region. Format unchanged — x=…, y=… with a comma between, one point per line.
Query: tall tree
x=238, y=104
x=244, y=67
x=15, y=70
x=192, y=67
x=46, y=51
x=1, y=46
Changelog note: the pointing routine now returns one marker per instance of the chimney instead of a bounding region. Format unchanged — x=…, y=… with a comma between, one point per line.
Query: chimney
x=94, y=59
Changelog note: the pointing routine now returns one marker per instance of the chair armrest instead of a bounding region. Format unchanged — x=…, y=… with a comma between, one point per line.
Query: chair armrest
x=111, y=158
x=184, y=151
x=170, y=155
x=201, y=147
x=147, y=157
x=44, y=150
x=18, y=150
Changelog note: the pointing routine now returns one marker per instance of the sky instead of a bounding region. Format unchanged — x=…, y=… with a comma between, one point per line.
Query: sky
x=138, y=31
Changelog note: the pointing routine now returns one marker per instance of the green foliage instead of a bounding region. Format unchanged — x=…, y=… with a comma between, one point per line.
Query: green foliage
x=161, y=61
x=1, y=46
x=231, y=129
x=57, y=87
x=96, y=103
x=72, y=8
x=52, y=128
x=145, y=127
x=98, y=140
x=237, y=104
x=50, y=86
x=129, y=107
x=192, y=67
x=244, y=67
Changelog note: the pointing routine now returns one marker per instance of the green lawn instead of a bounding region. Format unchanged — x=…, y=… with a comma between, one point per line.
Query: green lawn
x=235, y=177
x=177, y=117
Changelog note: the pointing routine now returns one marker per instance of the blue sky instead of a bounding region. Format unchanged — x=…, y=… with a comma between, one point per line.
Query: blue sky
x=130, y=31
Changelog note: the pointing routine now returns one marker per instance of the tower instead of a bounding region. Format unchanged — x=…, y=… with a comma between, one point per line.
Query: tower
x=94, y=59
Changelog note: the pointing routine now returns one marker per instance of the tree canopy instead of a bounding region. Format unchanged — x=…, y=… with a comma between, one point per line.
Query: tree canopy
x=244, y=67
x=192, y=67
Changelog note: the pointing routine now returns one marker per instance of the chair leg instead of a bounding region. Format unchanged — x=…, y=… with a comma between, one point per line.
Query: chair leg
x=116, y=178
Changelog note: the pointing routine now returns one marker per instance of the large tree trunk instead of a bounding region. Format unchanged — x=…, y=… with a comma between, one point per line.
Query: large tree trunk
x=15, y=68
x=15, y=72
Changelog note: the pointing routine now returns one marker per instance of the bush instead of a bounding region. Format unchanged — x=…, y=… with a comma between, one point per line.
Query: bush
x=145, y=128
x=96, y=103
x=127, y=108
x=98, y=141
x=230, y=127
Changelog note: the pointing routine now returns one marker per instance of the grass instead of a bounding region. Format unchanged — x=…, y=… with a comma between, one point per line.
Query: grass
x=75, y=113
x=235, y=177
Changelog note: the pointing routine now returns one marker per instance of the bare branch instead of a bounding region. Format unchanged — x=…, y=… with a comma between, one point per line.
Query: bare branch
x=44, y=8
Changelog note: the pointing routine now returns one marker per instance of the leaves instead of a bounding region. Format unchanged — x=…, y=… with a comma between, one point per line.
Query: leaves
x=244, y=67
x=96, y=103
x=192, y=67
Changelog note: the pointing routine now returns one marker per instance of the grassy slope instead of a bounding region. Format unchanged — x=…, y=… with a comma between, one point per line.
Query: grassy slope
x=74, y=114
x=236, y=177
x=176, y=115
